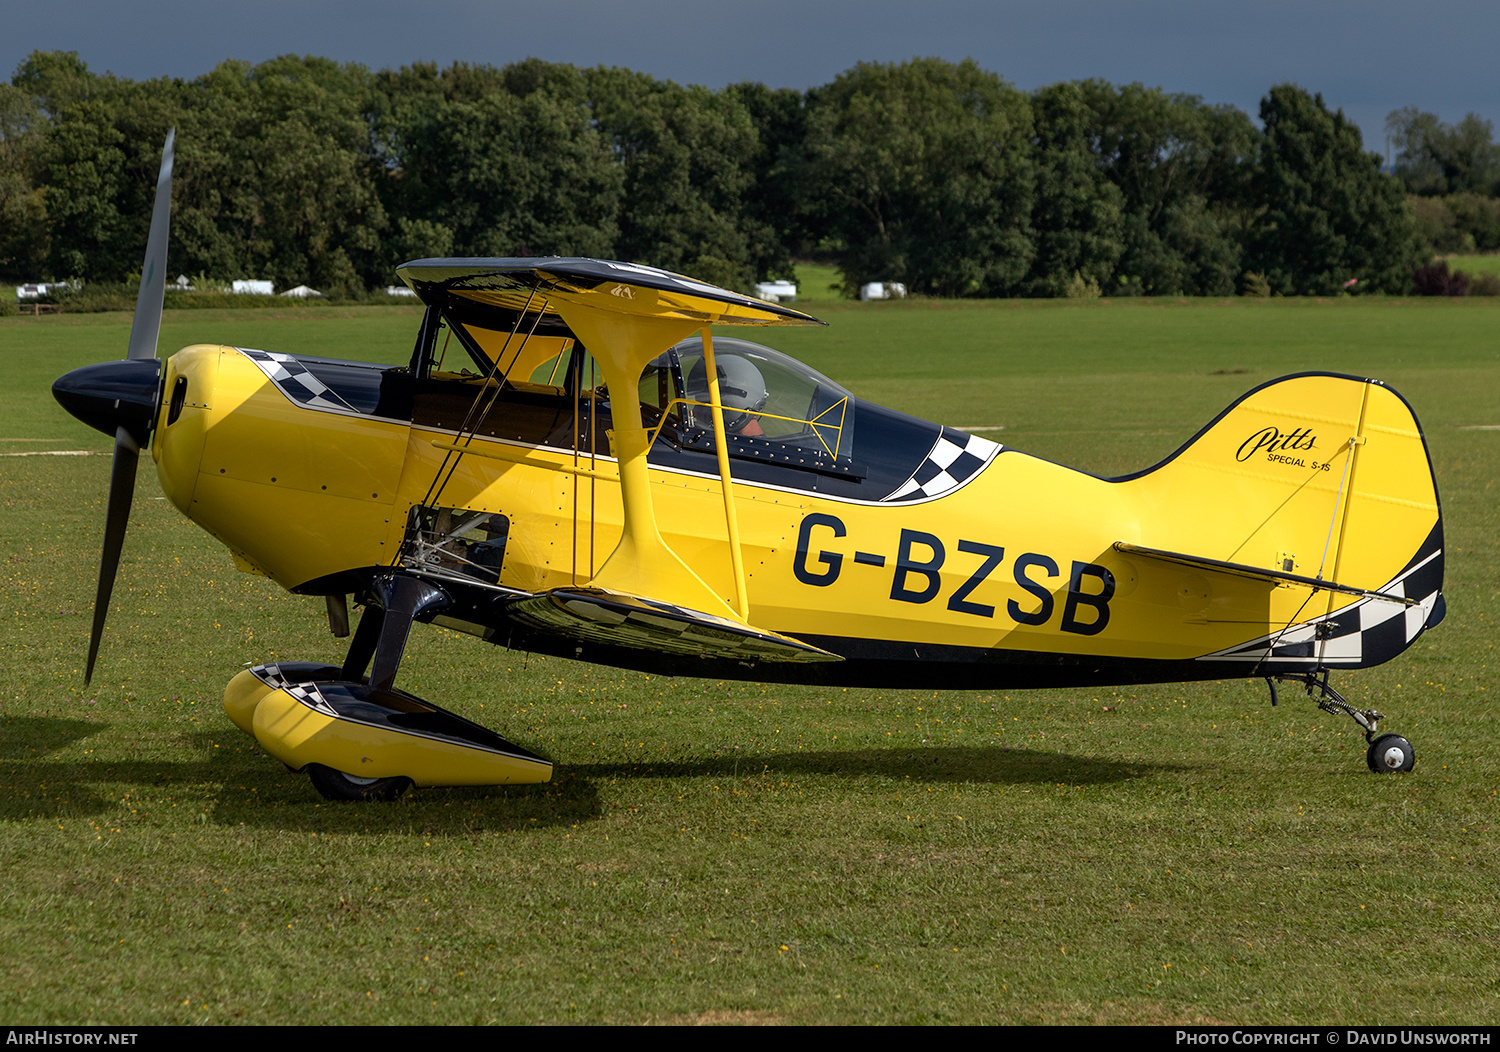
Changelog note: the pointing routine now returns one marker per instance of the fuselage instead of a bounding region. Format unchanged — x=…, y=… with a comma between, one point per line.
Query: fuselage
x=918, y=553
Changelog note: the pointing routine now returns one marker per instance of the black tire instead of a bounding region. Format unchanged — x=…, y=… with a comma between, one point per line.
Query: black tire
x=1390, y=753
x=336, y=785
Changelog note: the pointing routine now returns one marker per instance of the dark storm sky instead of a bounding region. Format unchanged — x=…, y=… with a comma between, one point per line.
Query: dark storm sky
x=1367, y=58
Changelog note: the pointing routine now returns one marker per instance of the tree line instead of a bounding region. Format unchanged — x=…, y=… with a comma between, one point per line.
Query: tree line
x=1453, y=174
x=939, y=175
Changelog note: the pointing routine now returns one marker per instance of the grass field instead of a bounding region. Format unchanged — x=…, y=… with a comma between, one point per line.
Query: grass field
x=718, y=852
x=818, y=283
x=1475, y=264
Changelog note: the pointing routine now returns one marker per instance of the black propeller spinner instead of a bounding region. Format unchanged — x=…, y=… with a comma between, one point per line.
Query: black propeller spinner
x=122, y=398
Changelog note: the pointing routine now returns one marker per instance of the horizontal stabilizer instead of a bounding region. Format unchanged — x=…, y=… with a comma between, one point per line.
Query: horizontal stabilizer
x=1255, y=572
x=593, y=615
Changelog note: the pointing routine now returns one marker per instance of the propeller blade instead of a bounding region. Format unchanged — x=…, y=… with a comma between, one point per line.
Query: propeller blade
x=144, y=330
x=148, y=301
x=121, y=492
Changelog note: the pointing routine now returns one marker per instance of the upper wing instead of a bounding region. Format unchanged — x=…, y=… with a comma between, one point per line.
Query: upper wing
x=622, y=288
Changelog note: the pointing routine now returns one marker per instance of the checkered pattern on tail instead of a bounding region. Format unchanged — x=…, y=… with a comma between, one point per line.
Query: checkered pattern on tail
x=954, y=458
x=297, y=382
x=1364, y=633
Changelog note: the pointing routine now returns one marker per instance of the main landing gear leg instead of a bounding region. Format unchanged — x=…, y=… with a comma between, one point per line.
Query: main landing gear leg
x=1386, y=753
x=361, y=739
x=381, y=636
x=383, y=629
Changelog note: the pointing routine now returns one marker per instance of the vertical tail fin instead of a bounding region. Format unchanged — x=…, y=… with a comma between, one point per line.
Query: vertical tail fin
x=1320, y=476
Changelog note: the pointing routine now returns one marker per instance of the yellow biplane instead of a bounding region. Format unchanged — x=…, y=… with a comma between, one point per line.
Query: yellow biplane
x=573, y=463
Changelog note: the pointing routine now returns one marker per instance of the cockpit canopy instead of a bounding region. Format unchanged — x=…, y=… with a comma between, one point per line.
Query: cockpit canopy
x=768, y=397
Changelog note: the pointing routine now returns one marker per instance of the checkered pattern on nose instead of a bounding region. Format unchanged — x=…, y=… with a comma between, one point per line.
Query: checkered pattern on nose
x=296, y=382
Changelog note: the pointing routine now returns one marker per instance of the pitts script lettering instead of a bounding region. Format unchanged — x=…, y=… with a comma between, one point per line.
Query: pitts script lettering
x=1271, y=440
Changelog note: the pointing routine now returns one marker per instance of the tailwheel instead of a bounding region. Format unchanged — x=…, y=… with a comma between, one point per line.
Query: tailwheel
x=1387, y=752
x=336, y=785
x=1390, y=752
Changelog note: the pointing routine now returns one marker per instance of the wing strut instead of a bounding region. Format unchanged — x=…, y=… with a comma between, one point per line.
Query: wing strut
x=645, y=595
x=721, y=445
x=642, y=564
